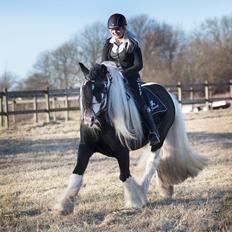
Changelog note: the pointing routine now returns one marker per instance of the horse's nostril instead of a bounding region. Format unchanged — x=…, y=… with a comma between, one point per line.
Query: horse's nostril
x=92, y=121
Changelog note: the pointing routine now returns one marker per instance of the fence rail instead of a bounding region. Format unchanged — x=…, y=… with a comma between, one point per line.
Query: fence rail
x=195, y=94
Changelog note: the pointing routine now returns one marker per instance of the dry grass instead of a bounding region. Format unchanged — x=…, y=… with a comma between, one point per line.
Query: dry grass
x=36, y=161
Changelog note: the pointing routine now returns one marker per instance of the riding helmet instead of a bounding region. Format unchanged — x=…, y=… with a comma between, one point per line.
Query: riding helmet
x=116, y=20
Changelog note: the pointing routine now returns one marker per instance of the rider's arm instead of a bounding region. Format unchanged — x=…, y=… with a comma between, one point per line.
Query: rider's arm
x=137, y=64
x=105, y=51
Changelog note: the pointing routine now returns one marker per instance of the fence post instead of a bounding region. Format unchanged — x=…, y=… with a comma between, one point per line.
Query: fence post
x=53, y=107
x=179, y=92
x=192, y=97
x=66, y=106
x=1, y=111
x=35, y=107
x=5, y=108
x=230, y=84
x=207, y=95
x=13, y=109
x=47, y=103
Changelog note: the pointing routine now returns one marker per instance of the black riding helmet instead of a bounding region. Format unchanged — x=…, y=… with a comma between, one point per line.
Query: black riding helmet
x=116, y=20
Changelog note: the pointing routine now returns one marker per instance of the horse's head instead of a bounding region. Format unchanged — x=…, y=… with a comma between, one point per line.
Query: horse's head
x=94, y=92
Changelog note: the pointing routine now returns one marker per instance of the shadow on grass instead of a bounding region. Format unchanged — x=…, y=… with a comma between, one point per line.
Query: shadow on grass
x=222, y=139
x=42, y=146
x=216, y=196
x=29, y=213
x=39, y=146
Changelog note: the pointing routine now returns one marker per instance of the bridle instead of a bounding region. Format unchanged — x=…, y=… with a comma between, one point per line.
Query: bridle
x=104, y=95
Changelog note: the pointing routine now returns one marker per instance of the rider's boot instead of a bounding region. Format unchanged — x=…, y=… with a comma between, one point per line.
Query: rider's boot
x=154, y=136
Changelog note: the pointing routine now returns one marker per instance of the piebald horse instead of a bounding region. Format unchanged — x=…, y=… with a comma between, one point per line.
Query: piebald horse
x=111, y=124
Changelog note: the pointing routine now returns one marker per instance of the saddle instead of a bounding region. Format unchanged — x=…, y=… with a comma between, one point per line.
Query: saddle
x=162, y=109
x=151, y=93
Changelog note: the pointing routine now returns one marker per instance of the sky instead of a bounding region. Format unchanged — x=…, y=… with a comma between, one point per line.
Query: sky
x=30, y=27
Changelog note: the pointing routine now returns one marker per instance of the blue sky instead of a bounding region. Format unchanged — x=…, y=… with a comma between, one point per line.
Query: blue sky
x=30, y=27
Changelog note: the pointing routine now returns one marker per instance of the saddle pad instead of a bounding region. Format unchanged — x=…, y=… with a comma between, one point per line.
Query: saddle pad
x=152, y=100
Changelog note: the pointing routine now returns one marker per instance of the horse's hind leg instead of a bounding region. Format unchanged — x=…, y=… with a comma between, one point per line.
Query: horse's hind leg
x=166, y=190
x=152, y=165
x=65, y=205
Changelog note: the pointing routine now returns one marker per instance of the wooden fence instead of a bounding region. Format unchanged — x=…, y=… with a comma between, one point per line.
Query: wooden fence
x=196, y=94
x=47, y=98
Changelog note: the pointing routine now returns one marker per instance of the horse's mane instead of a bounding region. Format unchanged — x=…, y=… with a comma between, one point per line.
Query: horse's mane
x=122, y=112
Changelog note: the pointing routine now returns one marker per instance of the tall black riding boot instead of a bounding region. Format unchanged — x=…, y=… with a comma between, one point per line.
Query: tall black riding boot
x=154, y=136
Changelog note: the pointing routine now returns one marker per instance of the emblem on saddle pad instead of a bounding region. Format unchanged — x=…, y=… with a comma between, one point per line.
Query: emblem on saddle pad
x=153, y=105
x=153, y=102
x=156, y=106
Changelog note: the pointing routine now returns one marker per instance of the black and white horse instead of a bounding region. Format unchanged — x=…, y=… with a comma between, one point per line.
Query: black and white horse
x=111, y=124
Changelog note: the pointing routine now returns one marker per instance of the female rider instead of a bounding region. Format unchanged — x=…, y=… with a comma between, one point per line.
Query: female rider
x=123, y=49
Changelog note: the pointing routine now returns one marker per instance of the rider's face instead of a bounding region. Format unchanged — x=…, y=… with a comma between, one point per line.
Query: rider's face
x=118, y=33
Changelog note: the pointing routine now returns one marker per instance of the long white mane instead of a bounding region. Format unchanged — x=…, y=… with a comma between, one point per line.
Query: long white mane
x=122, y=112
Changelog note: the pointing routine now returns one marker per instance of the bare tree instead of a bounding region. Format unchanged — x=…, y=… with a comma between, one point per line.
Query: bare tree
x=190, y=64
x=160, y=45
x=141, y=26
x=7, y=80
x=43, y=70
x=217, y=35
x=60, y=68
x=90, y=43
x=36, y=81
x=65, y=68
x=168, y=54
x=57, y=69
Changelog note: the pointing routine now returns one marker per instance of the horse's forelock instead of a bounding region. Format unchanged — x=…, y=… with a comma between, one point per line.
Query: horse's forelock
x=98, y=73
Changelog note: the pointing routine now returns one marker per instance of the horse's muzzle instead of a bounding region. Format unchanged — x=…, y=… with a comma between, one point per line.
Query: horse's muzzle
x=89, y=119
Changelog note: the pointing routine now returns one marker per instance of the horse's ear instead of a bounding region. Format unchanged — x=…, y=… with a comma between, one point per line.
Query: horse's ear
x=104, y=68
x=84, y=70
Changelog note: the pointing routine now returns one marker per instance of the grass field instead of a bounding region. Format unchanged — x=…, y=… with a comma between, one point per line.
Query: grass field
x=36, y=161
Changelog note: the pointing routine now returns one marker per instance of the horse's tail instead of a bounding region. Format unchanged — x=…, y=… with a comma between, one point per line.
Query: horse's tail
x=177, y=160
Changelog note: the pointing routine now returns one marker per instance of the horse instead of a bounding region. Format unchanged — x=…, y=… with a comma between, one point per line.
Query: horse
x=112, y=125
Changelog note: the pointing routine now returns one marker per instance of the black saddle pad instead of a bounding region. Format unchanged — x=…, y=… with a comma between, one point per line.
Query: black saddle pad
x=153, y=101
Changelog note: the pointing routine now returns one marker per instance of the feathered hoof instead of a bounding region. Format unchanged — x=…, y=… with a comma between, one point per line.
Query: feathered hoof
x=166, y=191
x=134, y=194
x=64, y=208
x=136, y=199
x=136, y=204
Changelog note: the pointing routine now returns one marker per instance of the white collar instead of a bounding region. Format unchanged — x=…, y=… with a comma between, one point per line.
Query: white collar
x=125, y=40
x=112, y=40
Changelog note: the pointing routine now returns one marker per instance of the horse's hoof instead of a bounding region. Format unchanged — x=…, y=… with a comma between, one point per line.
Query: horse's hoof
x=135, y=205
x=62, y=212
x=59, y=210
x=167, y=191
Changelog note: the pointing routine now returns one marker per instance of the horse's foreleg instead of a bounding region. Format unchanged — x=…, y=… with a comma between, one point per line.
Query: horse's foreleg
x=66, y=204
x=152, y=165
x=133, y=193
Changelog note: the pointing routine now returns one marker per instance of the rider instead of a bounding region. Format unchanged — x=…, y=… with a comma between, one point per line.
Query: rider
x=123, y=49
